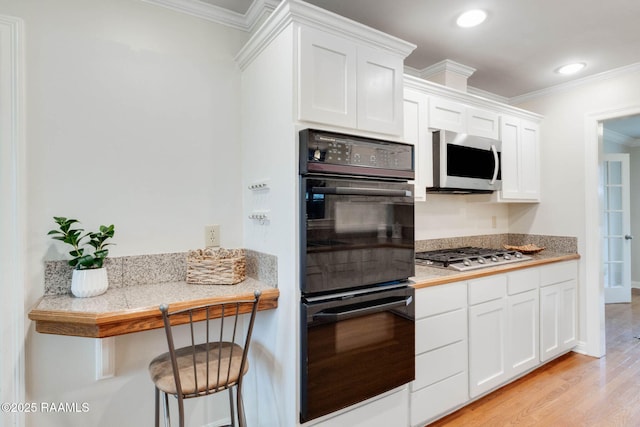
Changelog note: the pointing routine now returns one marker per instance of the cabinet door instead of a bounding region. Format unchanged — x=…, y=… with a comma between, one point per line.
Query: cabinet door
x=326, y=78
x=447, y=115
x=483, y=123
x=523, y=346
x=487, y=346
x=379, y=94
x=416, y=133
x=550, y=319
x=568, y=327
x=529, y=161
x=558, y=328
x=520, y=168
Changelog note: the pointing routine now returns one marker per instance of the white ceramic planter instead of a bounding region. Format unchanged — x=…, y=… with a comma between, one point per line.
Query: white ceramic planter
x=89, y=283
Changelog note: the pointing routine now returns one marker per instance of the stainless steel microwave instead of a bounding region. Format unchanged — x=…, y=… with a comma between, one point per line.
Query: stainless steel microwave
x=464, y=164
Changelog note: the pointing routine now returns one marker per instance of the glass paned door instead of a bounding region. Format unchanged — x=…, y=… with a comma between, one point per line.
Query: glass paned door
x=616, y=247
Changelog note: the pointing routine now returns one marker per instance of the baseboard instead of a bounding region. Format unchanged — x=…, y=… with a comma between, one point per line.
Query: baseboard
x=635, y=285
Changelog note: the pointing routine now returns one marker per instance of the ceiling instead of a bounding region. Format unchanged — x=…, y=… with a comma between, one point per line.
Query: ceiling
x=516, y=50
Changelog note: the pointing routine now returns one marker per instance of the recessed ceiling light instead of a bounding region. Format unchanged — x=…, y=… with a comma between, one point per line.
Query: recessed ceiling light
x=571, y=68
x=471, y=18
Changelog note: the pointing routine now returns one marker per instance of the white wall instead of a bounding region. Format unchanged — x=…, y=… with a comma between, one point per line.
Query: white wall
x=563, y=156
x=132, y=119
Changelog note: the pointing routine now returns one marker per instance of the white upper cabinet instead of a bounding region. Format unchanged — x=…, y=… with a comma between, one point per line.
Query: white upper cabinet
x=348, y=84
x=520, y=166
x=483, y=123
x=327, y=88
x=451, y=115
x=379, y=94
x=447, y=115
x=416, y=133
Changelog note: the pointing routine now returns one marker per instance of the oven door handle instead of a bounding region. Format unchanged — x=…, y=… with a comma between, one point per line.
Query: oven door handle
x=357, y=191
x=496, y=162
x=336, y=316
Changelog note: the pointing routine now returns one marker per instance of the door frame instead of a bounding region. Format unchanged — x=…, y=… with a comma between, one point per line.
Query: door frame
x=12, y=216
x=592, y=278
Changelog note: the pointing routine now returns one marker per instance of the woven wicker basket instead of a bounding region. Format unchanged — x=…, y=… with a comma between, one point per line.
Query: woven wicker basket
x=525, y=249
x=216, y=267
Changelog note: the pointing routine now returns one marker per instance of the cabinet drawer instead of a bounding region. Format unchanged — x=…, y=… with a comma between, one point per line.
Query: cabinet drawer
x=440, y=364
x=439, y=398
x=440, y=299
x=487, y=289
x=440, y=330
x=523, y=280
x=557, y=273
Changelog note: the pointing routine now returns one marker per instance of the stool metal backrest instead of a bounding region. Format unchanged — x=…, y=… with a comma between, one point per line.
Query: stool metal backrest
x=215, y=362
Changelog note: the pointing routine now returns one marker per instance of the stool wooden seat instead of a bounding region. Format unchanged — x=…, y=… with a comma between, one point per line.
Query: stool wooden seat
x=213, y=362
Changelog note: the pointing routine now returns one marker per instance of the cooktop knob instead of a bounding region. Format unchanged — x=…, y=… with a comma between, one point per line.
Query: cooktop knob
x=494, y=258
x=466, y=262
x=481, y=260
x=507, y=256
x=517, y=255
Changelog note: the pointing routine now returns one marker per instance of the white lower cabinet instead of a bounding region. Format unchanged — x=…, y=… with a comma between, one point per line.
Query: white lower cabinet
x=523, y=320
x=558, y=309
x=473, y=337
x=503, y=328
x=441, y=382
x=487, y=333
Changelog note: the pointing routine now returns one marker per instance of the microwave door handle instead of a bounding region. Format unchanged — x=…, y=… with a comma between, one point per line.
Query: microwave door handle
x=356, y=191
x=358, y=312
x=496, y=162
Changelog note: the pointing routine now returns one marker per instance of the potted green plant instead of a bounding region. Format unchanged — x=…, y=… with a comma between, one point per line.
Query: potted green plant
x=89, y=274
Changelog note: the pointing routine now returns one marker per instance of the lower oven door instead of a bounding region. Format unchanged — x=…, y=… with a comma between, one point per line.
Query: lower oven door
x=355, y=347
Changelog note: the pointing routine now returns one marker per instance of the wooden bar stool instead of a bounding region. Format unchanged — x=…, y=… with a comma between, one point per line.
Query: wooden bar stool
x=213, y=362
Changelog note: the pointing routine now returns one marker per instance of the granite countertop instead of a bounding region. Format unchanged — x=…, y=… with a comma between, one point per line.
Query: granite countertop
x=135, y=308
x=433, y=276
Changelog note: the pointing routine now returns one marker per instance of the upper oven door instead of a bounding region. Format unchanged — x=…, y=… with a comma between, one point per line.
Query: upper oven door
x=355, y=232
x=466, y=161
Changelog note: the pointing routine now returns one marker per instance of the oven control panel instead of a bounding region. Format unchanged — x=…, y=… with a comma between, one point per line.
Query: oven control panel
x=320, y=150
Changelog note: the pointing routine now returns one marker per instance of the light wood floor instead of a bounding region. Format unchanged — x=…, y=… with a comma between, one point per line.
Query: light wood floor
x=573, y=390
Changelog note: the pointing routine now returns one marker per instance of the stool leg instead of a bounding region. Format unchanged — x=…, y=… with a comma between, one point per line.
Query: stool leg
x=242, y=422
x=232, y=414
x=157, y=405
x=167, y=417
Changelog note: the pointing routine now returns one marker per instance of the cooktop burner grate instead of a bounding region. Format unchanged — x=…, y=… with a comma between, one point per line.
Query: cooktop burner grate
x=469, y=258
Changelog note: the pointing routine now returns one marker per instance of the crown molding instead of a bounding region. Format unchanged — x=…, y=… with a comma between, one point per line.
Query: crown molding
x=632, y=68
x=220, y=15
x=300, y=12
x=620, y=139
x=486, y=94
x=435, y=89
x=449, y=66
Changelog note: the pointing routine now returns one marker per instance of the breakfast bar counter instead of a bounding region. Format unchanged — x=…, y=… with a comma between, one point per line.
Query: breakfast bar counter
x=129, y=309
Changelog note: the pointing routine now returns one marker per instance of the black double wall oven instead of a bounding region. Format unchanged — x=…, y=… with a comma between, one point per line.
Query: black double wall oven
x=357, y=252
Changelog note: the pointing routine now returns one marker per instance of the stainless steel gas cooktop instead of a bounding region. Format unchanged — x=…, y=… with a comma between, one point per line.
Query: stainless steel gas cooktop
x=469, y=258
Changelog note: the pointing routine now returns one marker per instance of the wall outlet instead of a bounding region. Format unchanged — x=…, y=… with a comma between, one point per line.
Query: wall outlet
x=212, y=236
